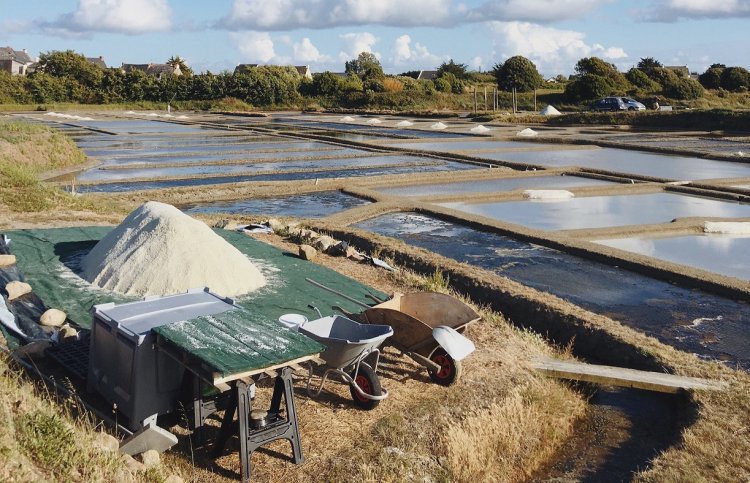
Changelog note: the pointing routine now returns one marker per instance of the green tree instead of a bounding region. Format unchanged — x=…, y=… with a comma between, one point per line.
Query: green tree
x=711, y=79
x=684, y=89
x=648, y=64
x=458, y=70
x=641, y=80
x=735, y=79
x=366, y=66
x=518, y=73
x=589, y=86
x=72, y=65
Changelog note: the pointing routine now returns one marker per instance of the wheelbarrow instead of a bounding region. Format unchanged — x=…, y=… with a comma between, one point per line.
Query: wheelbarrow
x=427, y=327
x=348, y=344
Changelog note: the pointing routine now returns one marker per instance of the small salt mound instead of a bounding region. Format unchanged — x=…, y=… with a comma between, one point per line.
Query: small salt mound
x=438, y=125
x=153, y=114
x=479, y=129
x=550, y=111
x=374, y=121
x=727, y=227
x=404, y=124
x=527, y=133
x=739, y=154
x=347, y=119
x=548, y=194
x=183, y=116
x=158, y=250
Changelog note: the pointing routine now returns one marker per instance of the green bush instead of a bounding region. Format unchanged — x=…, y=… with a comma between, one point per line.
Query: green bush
x=442, y=85
x=589, y=87
x=735, y=79
x=711, y=79
x=641, y=80
x=684, y=89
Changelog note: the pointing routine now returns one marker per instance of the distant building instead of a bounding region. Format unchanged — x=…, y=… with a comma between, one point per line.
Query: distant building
x=15, y=62
x=244, y=68
x=680, y=70
x=427, y=75
x=156, y=70
x=304, y=71
x=97, y=61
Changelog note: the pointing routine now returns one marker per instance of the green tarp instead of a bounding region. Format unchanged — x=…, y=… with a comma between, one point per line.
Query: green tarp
x=49, y=259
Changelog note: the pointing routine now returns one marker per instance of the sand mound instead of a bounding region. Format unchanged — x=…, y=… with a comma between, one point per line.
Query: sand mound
x=550, y=111
x=527, y=133
x=547, y=195
x=158, y=250
x=727, y=227
x=479, y=129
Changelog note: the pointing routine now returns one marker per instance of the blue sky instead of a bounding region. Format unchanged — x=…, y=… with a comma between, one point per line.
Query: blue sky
x=405, y=34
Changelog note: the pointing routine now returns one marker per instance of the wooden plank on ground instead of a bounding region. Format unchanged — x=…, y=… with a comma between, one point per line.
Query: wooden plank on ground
x=620, y=376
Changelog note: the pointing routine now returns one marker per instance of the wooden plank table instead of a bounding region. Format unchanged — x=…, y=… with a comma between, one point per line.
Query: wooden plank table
x=620, y=376
x=231, y=351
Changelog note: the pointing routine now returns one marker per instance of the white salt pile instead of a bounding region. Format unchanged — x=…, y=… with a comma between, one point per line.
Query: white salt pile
x=727, y=227
x=158, y=250
x=374, y=121
x=130, y=112
x=550, y=111
x=547, y=194
x=347, y=119
x=527, y=133
x=438, y=125
x=69, y=116
x=183, y=116
x=479, y=129
x=404, y=124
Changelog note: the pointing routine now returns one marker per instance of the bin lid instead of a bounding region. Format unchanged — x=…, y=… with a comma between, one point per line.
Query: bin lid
x=140, y=317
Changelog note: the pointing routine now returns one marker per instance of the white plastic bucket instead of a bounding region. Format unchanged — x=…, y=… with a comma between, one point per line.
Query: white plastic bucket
x=292, y=321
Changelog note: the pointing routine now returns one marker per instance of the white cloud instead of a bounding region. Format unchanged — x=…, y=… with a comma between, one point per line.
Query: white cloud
x=415, y=58
x=319, y=14
x=256, y=47
x=356, y=42
x=553, y=50
x=305, y=51
x=672, y=10
x=123, y=16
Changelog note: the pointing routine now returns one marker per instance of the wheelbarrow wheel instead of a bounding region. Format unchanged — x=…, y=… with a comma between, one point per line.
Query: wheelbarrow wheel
x=449, y=371
x=367, y=380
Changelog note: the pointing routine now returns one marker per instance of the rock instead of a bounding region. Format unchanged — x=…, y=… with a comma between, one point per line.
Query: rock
x=353, y=254
x=295, y=233
x=131, y=463
x=33, y=350
x=53, y=318
x=68, y=334
x=173, y=479
x=7, y=260
x=306, y=252
x=17, y=289
x=323, y=243
x=150, y=458
x=106, y=443
x=275, y=225
x=221, y=223
x=308, y=234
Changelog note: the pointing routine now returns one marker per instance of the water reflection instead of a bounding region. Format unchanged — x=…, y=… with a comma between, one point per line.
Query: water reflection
x=603, y=211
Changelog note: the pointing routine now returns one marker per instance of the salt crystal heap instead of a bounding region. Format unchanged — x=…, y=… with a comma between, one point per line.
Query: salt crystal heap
x=158, y=250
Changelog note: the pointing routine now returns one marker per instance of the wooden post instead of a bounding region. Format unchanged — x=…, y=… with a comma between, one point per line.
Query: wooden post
x=485, y=98
x=535, y=99
x=475, y=99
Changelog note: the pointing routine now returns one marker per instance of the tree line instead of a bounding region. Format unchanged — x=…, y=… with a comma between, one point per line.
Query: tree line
x=65, y=76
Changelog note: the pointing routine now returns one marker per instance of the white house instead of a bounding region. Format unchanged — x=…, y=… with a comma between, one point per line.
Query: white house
x=14, y=62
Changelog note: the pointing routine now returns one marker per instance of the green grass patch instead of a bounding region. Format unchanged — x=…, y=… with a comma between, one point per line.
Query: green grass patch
x=47, y=439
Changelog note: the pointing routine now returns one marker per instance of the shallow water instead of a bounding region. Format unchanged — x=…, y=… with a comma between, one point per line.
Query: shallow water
x=724, y=254
x=311, y=205
x=691, y=320
x=631, y=162
x=492, y=185
x=447, y=146
x=603, y=211
x=177, y=149
x=307, y=175
x=98, y=174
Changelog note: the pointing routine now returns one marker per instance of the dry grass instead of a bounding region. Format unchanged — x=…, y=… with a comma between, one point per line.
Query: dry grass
x=45, y=438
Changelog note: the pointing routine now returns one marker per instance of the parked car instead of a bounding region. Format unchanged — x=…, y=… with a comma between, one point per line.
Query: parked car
x=633, y=105
x=617, y=104
x=609, y=104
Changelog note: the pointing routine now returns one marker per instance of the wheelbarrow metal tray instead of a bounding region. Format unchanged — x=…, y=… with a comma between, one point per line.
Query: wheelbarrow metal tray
x=346, y=340
x=414, y=315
